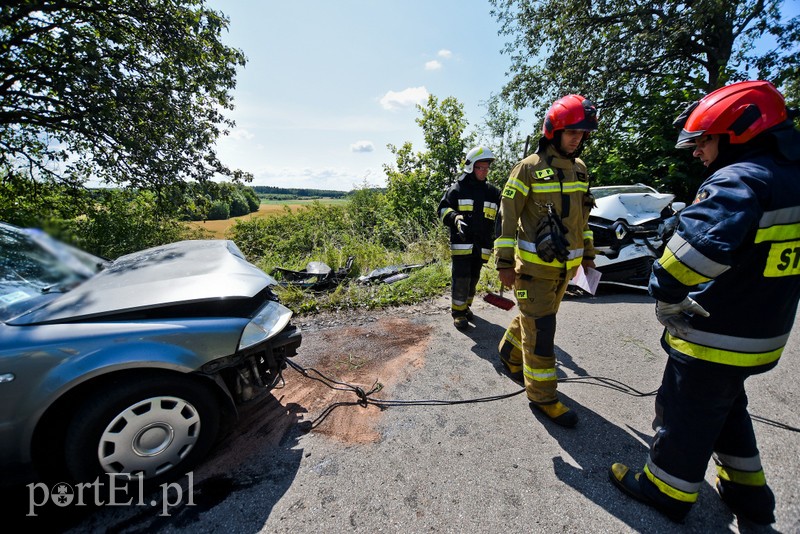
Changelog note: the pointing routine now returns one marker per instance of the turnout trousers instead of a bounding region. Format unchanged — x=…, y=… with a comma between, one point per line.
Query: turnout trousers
x=529, y=342
x=701, y=412
x=466, y=271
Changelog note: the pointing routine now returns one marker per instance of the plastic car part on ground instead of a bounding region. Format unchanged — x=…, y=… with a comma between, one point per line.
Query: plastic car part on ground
x=390, y=274
x=317, y=275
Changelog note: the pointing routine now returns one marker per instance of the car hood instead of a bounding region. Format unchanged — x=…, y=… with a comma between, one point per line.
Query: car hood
x=178, y=273
x=634, y=208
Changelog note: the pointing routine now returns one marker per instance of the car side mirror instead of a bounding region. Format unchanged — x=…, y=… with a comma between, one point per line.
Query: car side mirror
x=678, y=206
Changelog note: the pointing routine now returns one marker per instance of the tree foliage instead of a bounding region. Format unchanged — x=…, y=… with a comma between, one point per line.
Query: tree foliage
x=417, y=180
x=501, y=133
x=642, y=62
x=120, y=221
x=125, y=91
x=30, y=203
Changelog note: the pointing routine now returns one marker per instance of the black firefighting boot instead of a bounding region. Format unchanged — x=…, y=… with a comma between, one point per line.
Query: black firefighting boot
x=753, y=503
x=557, y=412
x=514, y=370
x=638, y=486
x=460, y=322
x=470, y=316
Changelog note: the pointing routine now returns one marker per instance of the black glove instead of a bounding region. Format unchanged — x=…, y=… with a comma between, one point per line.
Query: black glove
x=550, y=241
x=461, y=226
x=552, y=246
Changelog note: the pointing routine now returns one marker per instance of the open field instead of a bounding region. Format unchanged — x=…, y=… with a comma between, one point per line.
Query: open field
x=267, y=208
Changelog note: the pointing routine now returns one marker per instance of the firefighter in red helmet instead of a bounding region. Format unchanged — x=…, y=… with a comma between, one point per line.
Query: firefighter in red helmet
x=545, y=237
x=727, y=288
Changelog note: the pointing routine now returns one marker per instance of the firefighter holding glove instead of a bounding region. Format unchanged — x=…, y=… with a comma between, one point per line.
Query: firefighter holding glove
x=545, y=238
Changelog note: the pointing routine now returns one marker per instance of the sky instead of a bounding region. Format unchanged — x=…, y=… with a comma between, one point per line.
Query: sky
x=329, y=84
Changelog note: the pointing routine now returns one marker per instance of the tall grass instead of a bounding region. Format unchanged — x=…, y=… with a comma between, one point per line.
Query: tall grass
x=333, y=233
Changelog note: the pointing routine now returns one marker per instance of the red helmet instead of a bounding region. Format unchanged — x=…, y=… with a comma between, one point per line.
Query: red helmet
x=741, y=110
x=572, y=112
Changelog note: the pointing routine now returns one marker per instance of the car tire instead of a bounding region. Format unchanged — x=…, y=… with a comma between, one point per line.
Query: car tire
x=159, y=427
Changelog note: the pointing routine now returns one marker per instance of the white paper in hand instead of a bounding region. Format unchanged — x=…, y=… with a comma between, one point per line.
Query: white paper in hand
x=587, y=279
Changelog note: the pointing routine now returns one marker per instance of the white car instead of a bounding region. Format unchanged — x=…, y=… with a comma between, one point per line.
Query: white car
x=631, y=225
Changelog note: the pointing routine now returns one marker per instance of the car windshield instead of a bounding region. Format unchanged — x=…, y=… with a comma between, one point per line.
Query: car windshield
x=605, y=191
x=32, y=265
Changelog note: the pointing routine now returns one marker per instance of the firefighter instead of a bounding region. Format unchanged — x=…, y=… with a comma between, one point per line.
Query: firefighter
x=727, y=288
x=544, y=238
x=469, y=208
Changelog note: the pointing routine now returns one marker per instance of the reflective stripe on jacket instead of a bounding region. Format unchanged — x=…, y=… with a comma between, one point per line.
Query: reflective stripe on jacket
x=479, y=203
x=738, y=248
x=537, y=180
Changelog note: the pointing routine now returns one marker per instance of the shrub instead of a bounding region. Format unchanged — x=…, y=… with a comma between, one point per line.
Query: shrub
x=239, y=205
x=219, y=211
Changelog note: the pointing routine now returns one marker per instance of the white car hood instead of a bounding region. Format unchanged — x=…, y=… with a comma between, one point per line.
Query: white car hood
x=177, y=273
x=634, y=208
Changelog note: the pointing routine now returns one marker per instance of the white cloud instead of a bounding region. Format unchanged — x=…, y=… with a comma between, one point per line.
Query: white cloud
x=433, y=65
x=240, y=134
x=444, y=53
x=362, y=146
x=405, y=98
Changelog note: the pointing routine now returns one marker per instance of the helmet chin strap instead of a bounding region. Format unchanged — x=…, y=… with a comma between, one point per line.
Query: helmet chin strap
x=556, y=142
x=726, y=155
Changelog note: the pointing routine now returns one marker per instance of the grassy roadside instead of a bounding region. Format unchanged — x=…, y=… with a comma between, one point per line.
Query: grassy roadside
x=285, y=234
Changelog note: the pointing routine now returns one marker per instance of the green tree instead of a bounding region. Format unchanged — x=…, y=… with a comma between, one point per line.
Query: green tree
x=26, y=203
x=501, y=133
x=120, y=221
x=443, y=128
x=239, y=205
x=642, y=62
x=417, y=180
x=219, y=211
x=124, y=91
x=253, y=202
x=366, y=209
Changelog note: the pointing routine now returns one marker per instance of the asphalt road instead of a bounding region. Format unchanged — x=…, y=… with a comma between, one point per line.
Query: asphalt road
x=485, y=467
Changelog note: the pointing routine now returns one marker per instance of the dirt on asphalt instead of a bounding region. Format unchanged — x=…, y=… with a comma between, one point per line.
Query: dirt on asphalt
x=375, y=354
x=388, y=349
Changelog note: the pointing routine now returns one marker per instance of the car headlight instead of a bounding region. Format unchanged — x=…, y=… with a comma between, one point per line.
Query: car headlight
x=269, y=321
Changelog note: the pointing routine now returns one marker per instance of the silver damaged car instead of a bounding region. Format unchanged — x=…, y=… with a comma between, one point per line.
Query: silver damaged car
x=133, y=366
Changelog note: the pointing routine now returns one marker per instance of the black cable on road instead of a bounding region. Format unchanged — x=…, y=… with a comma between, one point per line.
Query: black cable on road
x=365, y=397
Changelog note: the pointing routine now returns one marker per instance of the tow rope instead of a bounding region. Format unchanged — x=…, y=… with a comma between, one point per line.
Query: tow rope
x=365, y=397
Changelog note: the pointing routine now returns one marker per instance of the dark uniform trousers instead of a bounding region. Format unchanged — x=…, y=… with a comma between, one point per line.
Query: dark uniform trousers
x=466, y=271
x=701, y=411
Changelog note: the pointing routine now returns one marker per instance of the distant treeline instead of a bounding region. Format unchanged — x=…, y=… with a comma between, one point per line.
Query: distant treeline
x=287, y=193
